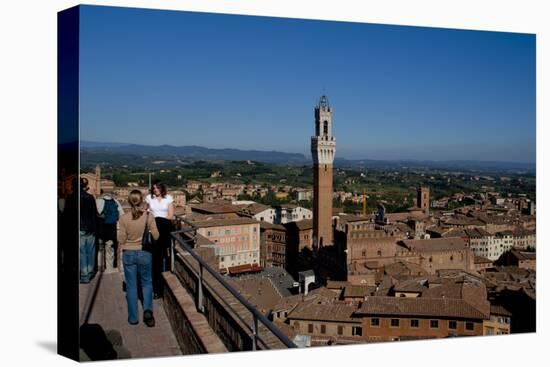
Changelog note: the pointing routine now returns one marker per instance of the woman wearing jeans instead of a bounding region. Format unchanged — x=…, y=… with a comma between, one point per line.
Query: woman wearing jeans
x=137, y=263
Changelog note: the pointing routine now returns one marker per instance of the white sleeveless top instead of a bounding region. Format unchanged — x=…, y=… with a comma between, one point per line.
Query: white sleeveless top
x=159, y=208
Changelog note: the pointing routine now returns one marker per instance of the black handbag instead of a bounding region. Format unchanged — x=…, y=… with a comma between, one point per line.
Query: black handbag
x=147, y=240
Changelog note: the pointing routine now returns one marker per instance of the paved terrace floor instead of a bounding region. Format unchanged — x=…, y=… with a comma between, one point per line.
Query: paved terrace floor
x=109, y=310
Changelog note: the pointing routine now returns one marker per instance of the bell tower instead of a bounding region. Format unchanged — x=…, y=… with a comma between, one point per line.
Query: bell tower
x=323, y=148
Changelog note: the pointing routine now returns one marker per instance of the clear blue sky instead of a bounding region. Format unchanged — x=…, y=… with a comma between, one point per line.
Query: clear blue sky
x=161, y=77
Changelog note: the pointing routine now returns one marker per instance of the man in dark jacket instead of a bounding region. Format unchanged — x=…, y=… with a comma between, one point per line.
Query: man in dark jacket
x=88, y=229
x=109, y=211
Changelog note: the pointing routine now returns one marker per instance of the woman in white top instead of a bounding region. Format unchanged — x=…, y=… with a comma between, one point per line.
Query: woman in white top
x=161, y=205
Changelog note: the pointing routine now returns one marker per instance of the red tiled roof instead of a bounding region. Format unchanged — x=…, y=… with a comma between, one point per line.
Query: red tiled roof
x=437, y=244
x=428, y=307
x=324, y=312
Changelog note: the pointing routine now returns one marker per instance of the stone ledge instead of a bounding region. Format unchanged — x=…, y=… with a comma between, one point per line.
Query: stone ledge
x=209, y=341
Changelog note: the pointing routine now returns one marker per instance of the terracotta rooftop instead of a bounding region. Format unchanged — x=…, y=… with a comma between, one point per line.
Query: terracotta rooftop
x=482, y=260
x=260, y=292
x=337, y=284
x=215, y=222
x=255, y=208
x=215, y=208
x=524, y=255
x=349, y=218
x=436, y=244
x=422, y=307
x=267, y=225
x=519, y=232
x=464, y=221
x=303, y=224
x=477, y=233
x=311, y=310
x=500, y=311
x=358, y=291
x=446, y=290
x=411, y=285
x=324, y=293
x=455, y=232
x=403, y=216
x=404, y=268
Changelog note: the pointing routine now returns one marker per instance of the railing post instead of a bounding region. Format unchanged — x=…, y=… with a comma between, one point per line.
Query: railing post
x=172, y=245
x=200, y=301
x=254, y=332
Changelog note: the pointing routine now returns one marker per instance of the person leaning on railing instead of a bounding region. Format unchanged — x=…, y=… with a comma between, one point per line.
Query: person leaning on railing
x=136, y=261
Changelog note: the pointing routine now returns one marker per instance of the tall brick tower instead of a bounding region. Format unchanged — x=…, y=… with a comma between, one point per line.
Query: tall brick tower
x=423, y=199
x=323, y=147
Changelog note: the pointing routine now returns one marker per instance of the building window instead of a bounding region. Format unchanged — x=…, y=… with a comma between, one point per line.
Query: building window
x=340, y=330
x=310, y=328
x=323, y=329
x=357, y=331
x=415, y=323
x=434, y=324
x=469, y=326
x=452, y=325
x=379, y=252
x=394, y=323
x=375, y=322
x=364, y=253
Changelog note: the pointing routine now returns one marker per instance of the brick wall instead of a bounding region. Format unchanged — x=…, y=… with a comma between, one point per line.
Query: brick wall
x=191, y=328
x=386, y=332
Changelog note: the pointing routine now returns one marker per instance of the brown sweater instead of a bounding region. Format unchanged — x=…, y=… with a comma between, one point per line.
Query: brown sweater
x=130, y=231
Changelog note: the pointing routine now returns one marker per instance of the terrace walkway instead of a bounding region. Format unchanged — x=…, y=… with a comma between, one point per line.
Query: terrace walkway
x=109, y=310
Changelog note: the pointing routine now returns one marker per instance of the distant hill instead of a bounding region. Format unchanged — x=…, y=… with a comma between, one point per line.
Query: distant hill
x=137, y=154
x=458, y=165
x=193, y=152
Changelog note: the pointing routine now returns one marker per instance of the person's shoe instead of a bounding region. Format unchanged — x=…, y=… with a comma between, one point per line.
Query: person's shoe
x=148, y=318
x=133, y=323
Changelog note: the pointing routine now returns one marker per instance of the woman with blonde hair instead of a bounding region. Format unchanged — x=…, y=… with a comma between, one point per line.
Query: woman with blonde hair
x=137, y=263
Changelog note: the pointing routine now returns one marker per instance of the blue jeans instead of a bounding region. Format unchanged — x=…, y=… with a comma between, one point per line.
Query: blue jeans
x=137, y=269
x=87, y=256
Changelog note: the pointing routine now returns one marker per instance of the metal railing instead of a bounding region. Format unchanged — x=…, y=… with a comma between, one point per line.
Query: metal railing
x=257, y=317
x=94, y=287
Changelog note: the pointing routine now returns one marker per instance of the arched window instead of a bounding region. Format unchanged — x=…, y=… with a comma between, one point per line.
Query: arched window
x=325, y=128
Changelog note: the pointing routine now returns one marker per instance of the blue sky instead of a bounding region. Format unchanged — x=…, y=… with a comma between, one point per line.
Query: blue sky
x=181, y=78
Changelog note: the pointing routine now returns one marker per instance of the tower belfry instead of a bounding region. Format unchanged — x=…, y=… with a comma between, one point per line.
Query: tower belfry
x=323, y=148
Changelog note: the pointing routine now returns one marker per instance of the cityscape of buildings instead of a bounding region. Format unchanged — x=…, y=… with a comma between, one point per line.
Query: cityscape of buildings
x=326, y=277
